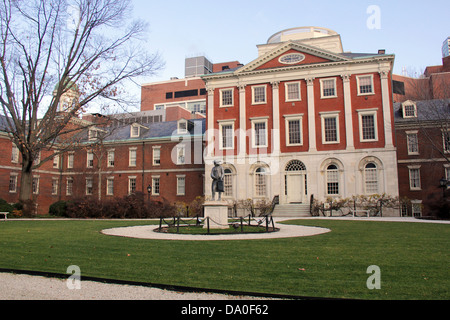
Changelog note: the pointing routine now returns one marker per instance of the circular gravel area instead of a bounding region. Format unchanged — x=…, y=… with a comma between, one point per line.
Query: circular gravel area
x=147, y=232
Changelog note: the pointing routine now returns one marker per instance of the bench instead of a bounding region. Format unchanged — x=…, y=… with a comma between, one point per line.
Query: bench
x=354, y=212
x=5, y=214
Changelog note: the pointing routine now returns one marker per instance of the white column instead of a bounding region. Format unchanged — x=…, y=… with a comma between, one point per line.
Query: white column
x=276, y=118
x=210, y=130
x=311, y=115
x=348, y=112
x=386, y=108
x=242, y=123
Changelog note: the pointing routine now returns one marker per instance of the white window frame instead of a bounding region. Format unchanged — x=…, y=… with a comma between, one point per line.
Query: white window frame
x=322, y=81
x=89, y=186
x=130, y=180
x=258, y=177
x=135, y=131
x=409, y=103
x=416, y=208
x=13, y=179
x=412, y=186
x=70, y=160
x=35, y=184
x=15, y=154
x=55, y=186
x=110, y=186
x=254, y=102
x=132, y=157
x=181, y=154
x=156, y=156
x=358, y=80
x=446, y=146
x=228, y=183
x=181, y=187
x=156, y=191
x=286, y=87
x=266, y=132
x=222, y=104
x=377, y=176
x=89, y=159
x=111, y=158
x=221, y=125
x=180, y=129
x=409, y=145
x=287, y=119
x=330, y=115
x=368, y=112
x=336, y=172
x=69, y=186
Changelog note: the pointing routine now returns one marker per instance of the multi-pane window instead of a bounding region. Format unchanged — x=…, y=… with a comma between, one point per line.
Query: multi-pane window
x=111, y=158
x=328, y=88
x=413, y=142
x=332, y=180
x=181, y=154
x=259, y=94
x=89, y=186
x=55, y=184
x=35, y=185
x=15, y=154
x=131, y=185
x=156, y=156
x=368, y=125
x=409, y=111
x=132, y=157
x=330, y=129
x=259, y=134
x=226, y=133
x=90, y=159
x=414, y=178
x=294, y=131
x=13, y=183
x=110, y=186
x=371, y=178
x=181, y=185
x=292, y=91
x=156, y=183
x=260, y=182
x=70, y=158
x=56, y=161
x=365, y=85
x=226, y=97
x=446, y=141
x=228, y=183
x=69, y=186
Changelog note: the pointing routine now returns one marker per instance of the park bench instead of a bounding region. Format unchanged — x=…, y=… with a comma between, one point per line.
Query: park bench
x=356, y=211
x=5, y=214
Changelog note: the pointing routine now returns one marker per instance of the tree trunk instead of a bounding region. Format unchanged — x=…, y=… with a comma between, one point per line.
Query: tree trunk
x=26, y=189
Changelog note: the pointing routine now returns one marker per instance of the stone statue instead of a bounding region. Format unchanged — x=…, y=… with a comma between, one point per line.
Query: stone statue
x=217, y=174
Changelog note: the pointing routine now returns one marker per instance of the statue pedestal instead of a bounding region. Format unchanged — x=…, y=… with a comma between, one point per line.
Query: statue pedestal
x=217, y=212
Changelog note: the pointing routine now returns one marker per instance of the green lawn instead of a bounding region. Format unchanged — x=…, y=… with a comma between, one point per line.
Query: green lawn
x=413, y=258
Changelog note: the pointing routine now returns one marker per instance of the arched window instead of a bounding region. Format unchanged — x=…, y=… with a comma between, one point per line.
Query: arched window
x=332, y=180
x=371, y=178
x=260, y=182
x=228, y=183
x=295, y=165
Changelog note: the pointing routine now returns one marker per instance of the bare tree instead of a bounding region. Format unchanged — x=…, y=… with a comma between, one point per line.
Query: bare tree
x=51, y=47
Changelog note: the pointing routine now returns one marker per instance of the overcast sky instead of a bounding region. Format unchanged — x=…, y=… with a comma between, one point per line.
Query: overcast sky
x=229, y=30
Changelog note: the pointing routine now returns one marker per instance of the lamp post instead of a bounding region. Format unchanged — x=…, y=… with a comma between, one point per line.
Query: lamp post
x=443, y=184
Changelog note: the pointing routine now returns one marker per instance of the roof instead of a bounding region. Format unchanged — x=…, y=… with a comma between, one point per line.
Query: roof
x=427, y=110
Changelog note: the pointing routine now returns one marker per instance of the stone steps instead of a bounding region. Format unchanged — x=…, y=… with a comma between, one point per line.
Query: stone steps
x=291, y=210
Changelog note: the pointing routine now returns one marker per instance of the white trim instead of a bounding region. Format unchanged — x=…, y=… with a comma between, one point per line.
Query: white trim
x=321, y=88
x=286, y=93
x=255, y=121
x=298, y=118
x=183, y=193
x=368, y=112
x=265, y=94
x=371, y=84
x=221, y=105
x=226, y=123
x=329, y=115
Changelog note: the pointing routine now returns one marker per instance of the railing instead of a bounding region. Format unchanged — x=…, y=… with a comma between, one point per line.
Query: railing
x=238, y=223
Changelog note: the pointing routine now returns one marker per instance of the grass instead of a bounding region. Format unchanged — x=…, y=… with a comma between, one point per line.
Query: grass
x=413, y=258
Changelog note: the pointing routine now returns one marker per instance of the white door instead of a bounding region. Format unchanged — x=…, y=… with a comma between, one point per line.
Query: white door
x=294, y=185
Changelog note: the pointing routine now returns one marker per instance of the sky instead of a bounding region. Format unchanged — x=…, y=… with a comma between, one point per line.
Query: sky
x=230, y=30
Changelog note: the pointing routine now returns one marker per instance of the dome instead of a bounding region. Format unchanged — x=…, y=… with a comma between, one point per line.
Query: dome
x=300, y=33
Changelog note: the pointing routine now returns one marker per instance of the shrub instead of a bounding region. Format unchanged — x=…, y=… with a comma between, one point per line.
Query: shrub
x=58, y=209
x=5, y=206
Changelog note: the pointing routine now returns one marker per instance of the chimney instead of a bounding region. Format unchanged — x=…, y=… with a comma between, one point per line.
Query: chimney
x=381, y=51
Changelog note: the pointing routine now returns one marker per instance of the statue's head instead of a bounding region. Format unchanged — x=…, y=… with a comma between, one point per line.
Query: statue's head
x=217, y=162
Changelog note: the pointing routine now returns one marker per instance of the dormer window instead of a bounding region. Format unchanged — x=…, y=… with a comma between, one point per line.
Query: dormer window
x=93, y=134
x=409, y=109
x=182, y=126
x=135, y=131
